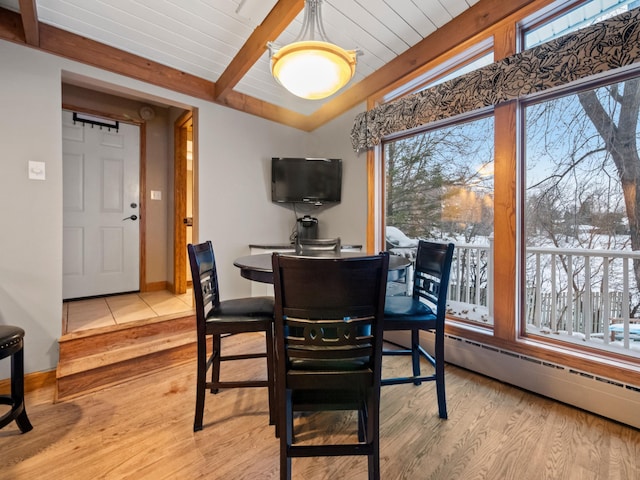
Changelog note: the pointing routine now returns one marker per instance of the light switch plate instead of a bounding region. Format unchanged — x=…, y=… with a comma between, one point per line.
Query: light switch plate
x=36, y=170
x=156, y=195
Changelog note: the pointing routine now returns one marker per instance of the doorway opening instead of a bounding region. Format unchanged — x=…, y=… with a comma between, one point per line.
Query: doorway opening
x=157, y=189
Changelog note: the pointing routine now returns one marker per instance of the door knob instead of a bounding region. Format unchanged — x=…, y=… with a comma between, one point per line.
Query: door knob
x=132, y=217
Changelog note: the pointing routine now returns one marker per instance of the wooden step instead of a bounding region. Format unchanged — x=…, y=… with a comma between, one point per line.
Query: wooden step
x=98, y=358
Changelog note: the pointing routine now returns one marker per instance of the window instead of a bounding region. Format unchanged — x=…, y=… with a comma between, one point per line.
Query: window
x=586, y=14
x=439, y=186
x=581, y=271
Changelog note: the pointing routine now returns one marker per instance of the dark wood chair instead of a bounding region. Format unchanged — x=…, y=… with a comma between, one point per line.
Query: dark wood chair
x=328, y=324
x=11, y=345
x=318, y=246
x=423, y=311
x=217, y=319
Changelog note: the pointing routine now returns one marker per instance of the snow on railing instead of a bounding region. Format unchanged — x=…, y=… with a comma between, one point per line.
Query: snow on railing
x=585, y=293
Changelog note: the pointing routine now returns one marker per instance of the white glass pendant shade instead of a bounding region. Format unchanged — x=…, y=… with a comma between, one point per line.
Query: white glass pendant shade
x=310, y=67
x=313, y=69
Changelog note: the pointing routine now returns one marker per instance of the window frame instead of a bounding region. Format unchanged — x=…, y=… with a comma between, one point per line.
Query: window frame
x=594, y=82
x=468, y=117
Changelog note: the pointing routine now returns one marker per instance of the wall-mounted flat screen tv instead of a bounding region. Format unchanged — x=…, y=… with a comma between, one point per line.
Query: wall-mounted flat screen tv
x=306, y=180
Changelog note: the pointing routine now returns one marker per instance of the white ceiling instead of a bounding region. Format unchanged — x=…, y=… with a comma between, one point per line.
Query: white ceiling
x=202, y=37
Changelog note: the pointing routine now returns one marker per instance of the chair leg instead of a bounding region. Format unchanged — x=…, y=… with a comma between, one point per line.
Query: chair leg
x=215, y=366
x=271, y=365
x=373, y=437
x=201, y=379
x=17, y=390
x=285, y=417
x=439, y=367
x=415, y=354
x=23, y=421
x=363, y=434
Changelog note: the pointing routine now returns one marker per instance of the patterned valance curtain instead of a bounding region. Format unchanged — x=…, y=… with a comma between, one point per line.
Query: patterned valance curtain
x=607, y=45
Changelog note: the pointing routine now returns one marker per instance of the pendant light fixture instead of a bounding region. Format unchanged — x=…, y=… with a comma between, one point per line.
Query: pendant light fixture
x=310, y=67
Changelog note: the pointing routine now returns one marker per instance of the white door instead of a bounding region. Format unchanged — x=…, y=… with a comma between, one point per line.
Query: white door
x=101, y=227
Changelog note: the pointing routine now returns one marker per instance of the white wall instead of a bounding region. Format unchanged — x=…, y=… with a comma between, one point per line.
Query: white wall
x=235, y=191
x=30, y=210
x=234, y=150
x=334, y=140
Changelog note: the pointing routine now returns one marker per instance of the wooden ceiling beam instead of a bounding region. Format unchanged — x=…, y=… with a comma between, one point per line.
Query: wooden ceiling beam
x=281, y=15
x=81, y=49
x=74, y=47
x=29, y=14
x=260, y=108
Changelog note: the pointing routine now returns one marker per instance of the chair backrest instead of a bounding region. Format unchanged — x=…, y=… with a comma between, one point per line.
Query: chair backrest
x=328, y=318
x=431, y=275
x=318, y=246
x=205, y=280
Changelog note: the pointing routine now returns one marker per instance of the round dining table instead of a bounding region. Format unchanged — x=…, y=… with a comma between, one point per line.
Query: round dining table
x=259, y=268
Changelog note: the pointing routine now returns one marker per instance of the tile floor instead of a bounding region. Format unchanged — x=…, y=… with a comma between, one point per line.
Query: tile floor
x=118, y=309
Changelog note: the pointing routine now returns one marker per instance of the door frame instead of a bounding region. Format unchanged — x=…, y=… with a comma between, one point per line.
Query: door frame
x=142, y=210
x=180, y=137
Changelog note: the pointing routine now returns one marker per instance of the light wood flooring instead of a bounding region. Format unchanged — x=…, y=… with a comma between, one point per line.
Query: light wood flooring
x=142, y=429
x=80, y=315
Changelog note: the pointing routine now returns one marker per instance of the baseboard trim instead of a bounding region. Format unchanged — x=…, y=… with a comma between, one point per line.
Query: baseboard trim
x=156, y=286
x=32, y=381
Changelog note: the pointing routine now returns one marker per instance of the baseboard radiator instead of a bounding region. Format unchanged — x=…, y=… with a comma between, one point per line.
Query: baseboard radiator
x=602, y=396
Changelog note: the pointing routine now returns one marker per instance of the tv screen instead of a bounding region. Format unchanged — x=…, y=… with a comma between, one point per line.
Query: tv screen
x=306, y=180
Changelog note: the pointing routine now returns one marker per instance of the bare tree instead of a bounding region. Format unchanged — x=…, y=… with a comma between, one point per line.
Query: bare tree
x=618, y=127
x=436, y=179
x=584, y=170
x=413, y=185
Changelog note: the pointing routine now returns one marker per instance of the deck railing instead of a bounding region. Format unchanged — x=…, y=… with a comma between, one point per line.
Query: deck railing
x=589, y=294
x=579, y=294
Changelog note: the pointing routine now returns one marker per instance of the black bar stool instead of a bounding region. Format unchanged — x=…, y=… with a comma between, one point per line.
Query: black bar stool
x=11, y=343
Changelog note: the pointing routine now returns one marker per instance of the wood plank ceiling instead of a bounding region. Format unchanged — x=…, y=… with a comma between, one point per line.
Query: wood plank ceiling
x=216, y=49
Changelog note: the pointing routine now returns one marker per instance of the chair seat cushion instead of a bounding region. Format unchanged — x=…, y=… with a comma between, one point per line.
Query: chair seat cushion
x=249, y=307
x=9, y=335
x=406, y=308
